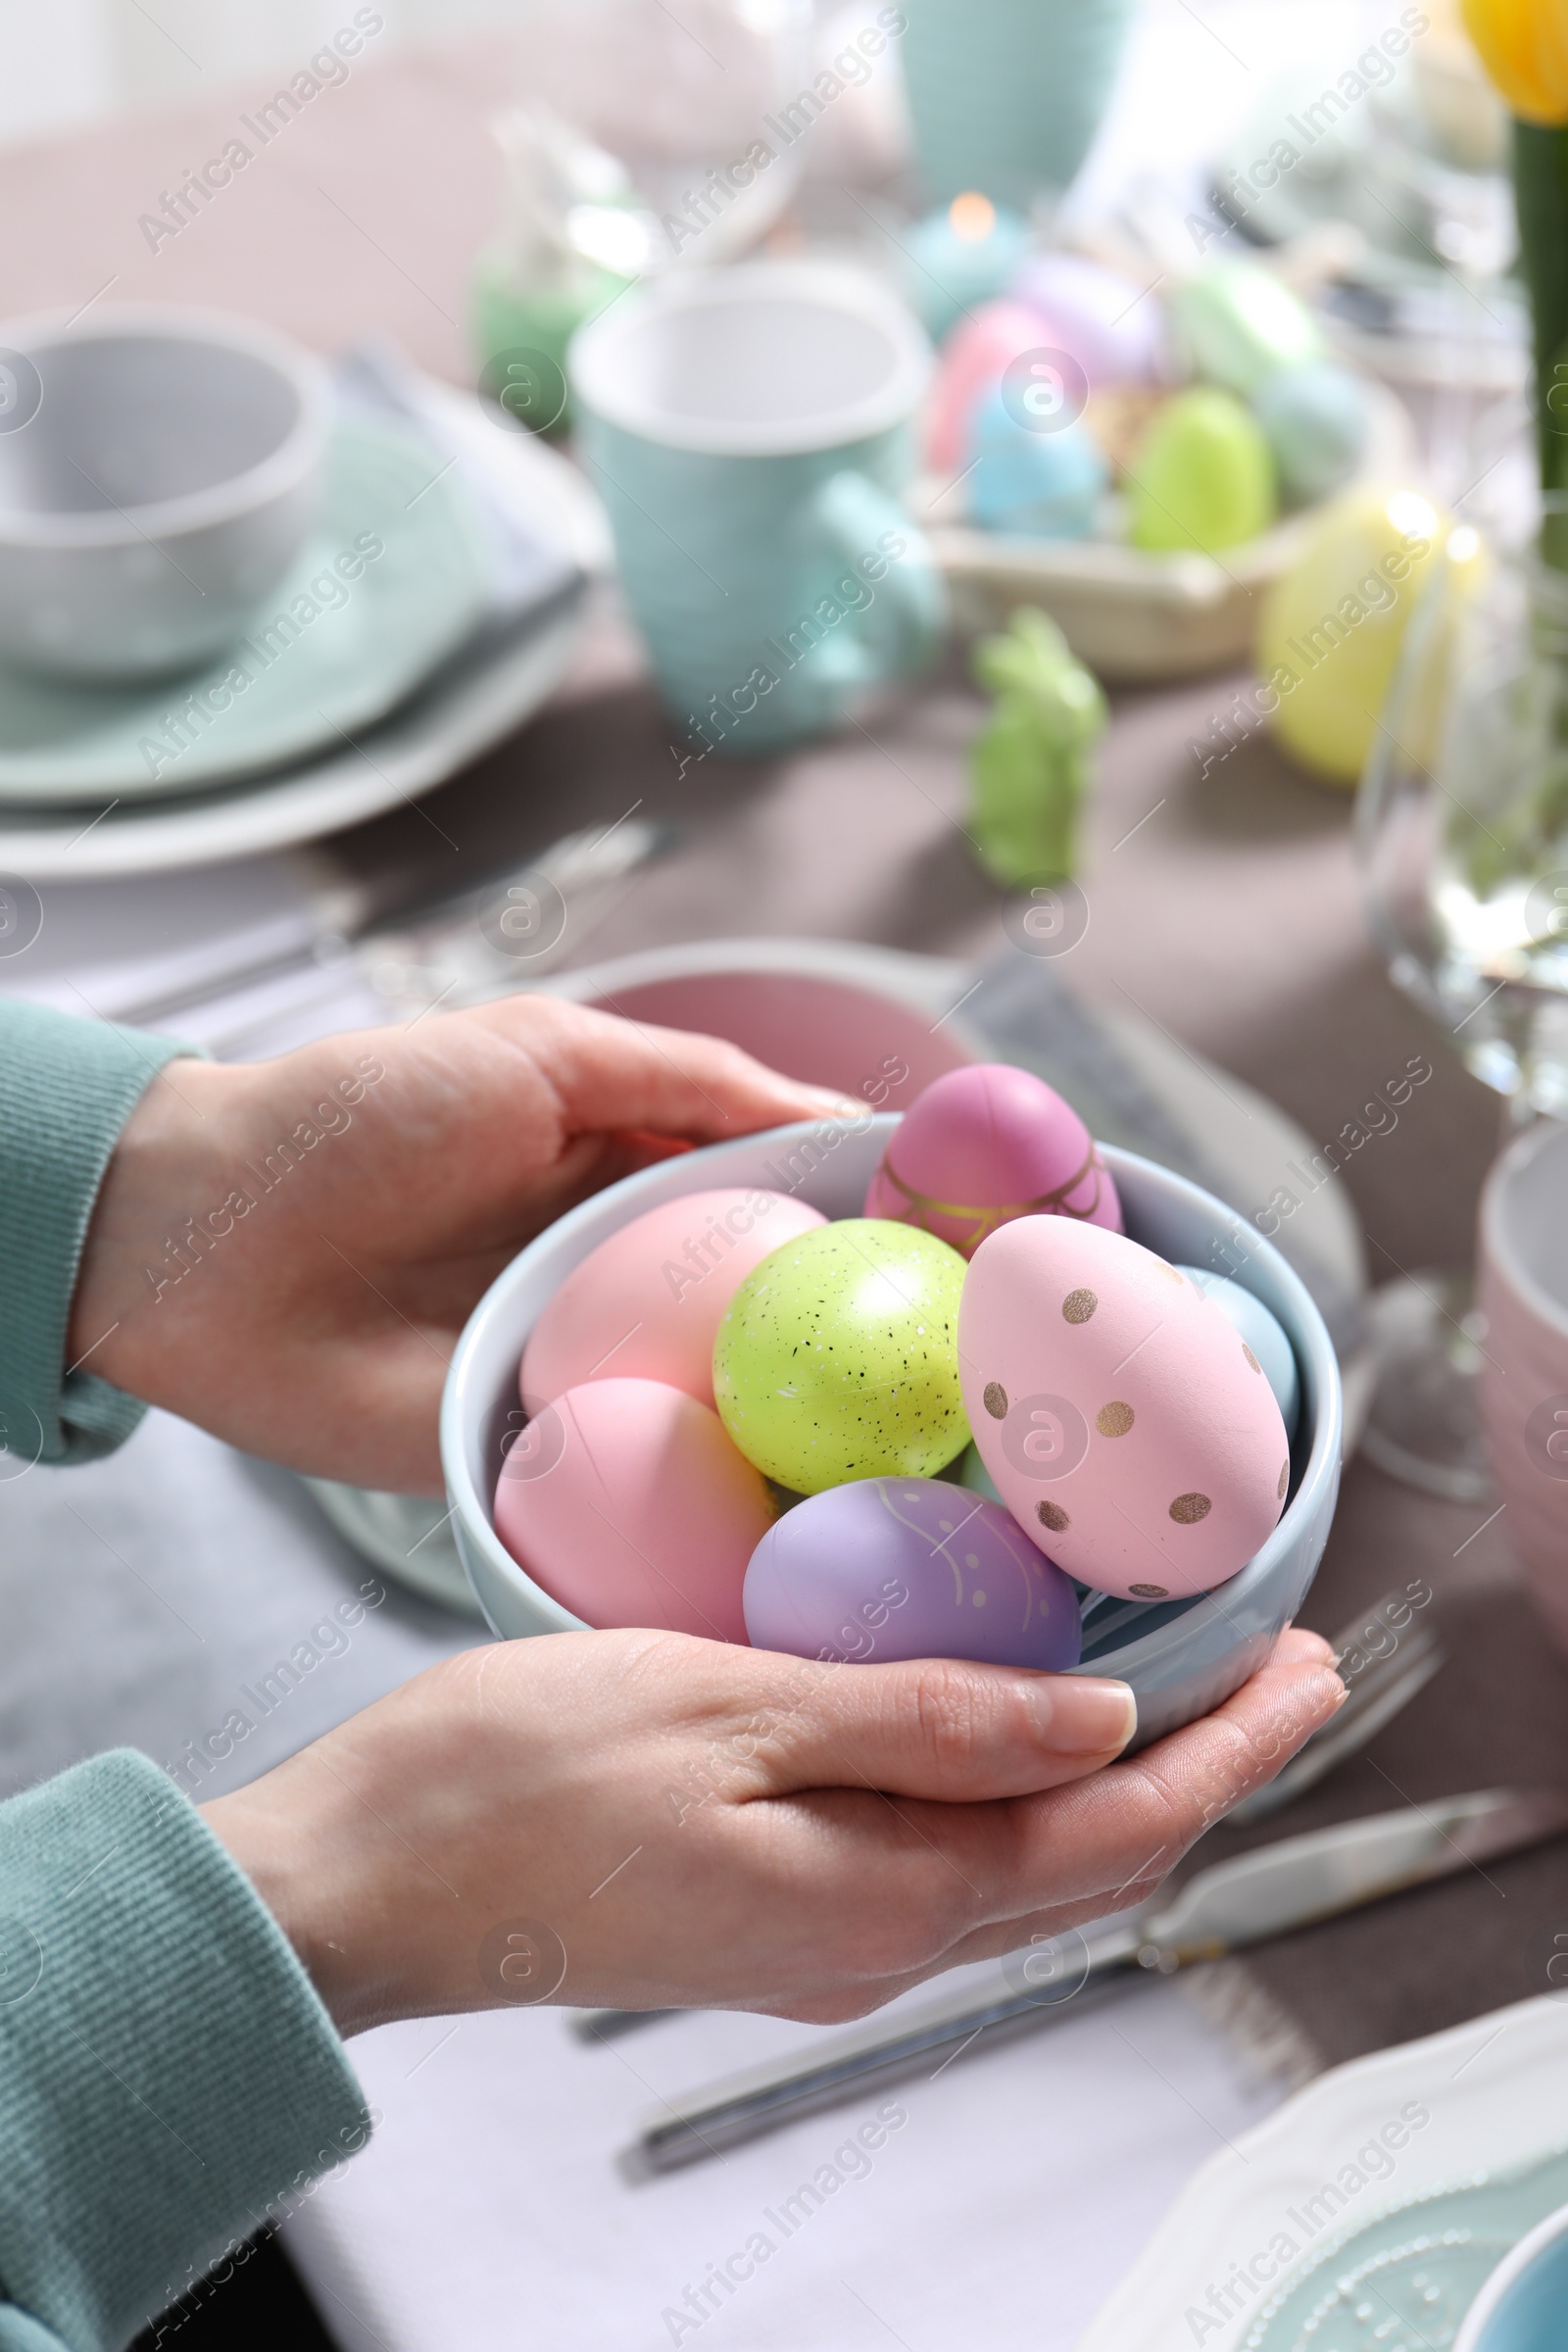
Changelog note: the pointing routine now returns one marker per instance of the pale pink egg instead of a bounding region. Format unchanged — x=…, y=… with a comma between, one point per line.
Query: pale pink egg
x=647, y=1302
x=1123, y=1418
x=627, y=1502
x=983, y=1146
x=973, y=358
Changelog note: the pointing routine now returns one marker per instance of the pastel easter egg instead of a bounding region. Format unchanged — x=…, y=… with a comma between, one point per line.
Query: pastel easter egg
x=1262, y=1333
x=1118, y=1410
x=1316, y=420
x=1030, y=481
x=1201, y=478
x=909, y=1568
x=627, y=1502
x=837, y=1357
x=973, y=358
x=1332, y=626
x=1240, y=324
x=987, y=1144
x=1113, y=326
x=647, y=1302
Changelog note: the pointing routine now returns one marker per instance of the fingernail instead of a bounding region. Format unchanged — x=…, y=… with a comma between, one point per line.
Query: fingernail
x=1081, y=1717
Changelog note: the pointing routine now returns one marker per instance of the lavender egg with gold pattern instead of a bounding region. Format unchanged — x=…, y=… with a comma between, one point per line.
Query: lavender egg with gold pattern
x=1119, y=1411
x=987, y=1144
x=891, y=1568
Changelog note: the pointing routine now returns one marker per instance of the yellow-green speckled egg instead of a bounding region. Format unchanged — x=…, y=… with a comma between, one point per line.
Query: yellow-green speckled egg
x=837, y=1358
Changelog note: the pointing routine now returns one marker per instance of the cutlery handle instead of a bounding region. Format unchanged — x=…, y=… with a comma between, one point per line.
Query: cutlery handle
x=868, y=2056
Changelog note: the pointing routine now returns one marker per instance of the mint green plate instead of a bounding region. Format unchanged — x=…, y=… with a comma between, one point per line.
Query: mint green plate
x=326, y=657
x=1405, y=2282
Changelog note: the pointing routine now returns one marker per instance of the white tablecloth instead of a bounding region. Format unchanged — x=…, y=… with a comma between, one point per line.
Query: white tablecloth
x=490, y=2212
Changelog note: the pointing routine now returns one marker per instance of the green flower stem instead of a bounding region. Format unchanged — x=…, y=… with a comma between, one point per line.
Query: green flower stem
x=1540, y=192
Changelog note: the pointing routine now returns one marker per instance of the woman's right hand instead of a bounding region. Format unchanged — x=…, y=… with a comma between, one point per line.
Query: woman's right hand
x=648, y=1821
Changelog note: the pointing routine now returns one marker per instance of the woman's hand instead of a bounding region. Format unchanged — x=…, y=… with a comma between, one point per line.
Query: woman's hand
x=649, y=1821
x=285, y=1252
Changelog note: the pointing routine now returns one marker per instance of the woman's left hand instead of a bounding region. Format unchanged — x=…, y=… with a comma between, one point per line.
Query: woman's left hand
x=285, y=1252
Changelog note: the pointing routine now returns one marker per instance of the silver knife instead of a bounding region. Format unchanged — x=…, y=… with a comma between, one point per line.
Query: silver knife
x=1225, y=1908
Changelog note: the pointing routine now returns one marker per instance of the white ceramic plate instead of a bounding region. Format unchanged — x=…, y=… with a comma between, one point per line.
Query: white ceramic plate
x=1494, y=2093
x=472, y=704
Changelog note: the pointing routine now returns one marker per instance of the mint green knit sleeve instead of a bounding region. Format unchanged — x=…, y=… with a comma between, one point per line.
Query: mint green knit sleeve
x=67, y=1088
x=168, y=2080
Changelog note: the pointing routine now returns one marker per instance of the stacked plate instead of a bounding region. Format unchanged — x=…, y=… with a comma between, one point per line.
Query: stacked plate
x=432, y=609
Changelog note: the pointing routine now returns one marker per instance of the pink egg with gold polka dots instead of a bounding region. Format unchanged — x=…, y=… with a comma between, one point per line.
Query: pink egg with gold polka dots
x=1122, y=1417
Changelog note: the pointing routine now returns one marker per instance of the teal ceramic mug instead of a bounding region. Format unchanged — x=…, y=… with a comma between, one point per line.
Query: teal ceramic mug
x=749, y=430
x=1005, y=96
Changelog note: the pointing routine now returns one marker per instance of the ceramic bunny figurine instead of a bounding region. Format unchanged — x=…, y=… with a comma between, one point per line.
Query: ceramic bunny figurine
x=1030, y=764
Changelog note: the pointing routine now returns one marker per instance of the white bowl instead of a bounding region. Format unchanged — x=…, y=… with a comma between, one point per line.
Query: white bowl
x=159, y=471
x=1182, y=1657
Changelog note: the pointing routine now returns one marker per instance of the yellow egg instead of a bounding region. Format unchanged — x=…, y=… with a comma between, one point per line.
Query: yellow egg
x=1332, y=624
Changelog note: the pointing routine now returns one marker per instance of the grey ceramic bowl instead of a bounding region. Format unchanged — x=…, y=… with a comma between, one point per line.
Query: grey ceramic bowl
x=159, y=471
x=1182, y=1657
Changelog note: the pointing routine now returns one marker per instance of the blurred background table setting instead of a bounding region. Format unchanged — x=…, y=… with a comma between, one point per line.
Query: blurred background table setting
x=1020, y=531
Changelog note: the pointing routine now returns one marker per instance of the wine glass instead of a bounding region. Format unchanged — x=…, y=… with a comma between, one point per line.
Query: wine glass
x=1462, y=826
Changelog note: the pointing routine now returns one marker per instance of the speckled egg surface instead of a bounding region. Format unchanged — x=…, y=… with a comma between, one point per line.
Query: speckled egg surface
x=627, y=1502
x=837, y=1357
x=647, y=1302
x=1118, y=1410
x=909, y=1568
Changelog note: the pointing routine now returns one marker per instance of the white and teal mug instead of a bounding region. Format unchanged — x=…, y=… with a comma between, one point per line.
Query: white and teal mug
x=751, y=431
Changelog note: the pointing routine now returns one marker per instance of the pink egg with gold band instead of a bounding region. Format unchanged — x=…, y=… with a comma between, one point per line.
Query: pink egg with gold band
x=983, y=1146
x=646, y=1303
x=1122, y=1417
x=626, y=1501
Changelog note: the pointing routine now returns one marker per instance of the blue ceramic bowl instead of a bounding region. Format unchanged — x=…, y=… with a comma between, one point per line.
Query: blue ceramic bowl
x=1182, y=1657
x=1524, y=2305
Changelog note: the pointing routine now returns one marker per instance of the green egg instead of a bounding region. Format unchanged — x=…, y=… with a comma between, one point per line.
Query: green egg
x=1242, y=324
x=1202, y=477
x=837, y=1358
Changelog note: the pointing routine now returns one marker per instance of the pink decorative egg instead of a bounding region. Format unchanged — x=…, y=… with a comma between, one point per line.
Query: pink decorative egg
x=973, y=358
x=627, y=1502
x=647, y=1302
x=985, y=1145
x=1122, y=1416
x=1113, y=327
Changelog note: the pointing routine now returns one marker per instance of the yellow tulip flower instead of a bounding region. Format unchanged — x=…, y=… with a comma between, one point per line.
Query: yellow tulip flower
x=1524, y=47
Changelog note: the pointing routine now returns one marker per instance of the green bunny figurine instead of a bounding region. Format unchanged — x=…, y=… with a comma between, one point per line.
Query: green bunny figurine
x=1030, y=763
